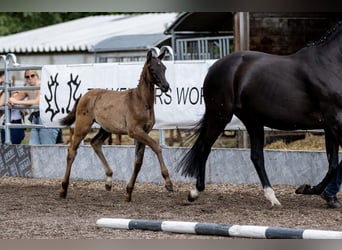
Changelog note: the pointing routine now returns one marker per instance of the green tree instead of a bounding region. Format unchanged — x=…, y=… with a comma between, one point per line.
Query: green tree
x=15, y=22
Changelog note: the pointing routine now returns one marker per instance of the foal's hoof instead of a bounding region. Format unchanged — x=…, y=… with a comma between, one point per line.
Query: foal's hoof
x=128, y=198
x=305, y=189
x=62, y=194
x=108, y=187
x=169, y=188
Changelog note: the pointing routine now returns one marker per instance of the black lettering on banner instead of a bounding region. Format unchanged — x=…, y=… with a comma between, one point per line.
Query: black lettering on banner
x=202, y=98
x=182, y=95
x=162, y=98
x=192, y=95
x=168, y=97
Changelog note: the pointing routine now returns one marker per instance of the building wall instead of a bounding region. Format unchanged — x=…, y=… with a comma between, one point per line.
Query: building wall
x=285, y=33
x=223, y=166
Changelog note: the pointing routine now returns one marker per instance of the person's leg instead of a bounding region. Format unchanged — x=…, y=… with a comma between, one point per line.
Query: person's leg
x=48, y=135
x=2, y=136
x=329, y=194
x=34, y=137
x=17, y=135
x=334, y=186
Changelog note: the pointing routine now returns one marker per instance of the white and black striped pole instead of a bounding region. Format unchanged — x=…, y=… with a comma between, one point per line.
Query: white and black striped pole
x=247, y=231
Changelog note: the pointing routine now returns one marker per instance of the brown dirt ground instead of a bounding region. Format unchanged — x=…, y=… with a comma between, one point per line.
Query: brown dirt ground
x=32, y=209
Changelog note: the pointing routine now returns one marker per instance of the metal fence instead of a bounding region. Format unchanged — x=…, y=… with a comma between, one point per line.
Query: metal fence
x=10, y=64
x=204, y=48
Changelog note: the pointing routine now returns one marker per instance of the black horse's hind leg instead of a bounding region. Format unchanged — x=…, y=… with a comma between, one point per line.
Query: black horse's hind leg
x=256, y=134
x=331, y=145
x=211, y=127
x=97, y=143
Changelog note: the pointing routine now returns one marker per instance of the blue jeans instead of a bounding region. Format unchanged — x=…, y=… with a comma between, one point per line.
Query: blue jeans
x=335, y=184
x=42, y=135
x=16, y=134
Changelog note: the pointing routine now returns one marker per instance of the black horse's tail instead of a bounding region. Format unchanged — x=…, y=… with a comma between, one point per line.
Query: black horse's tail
x=71, y=117
x=194, y=161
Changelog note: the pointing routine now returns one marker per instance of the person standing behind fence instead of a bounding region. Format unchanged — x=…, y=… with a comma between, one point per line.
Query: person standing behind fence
x=16, y=134
x=31, y=97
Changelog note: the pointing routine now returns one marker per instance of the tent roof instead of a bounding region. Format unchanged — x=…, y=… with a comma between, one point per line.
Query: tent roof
x=202, y=22
x=130, y=42
x=84, y=33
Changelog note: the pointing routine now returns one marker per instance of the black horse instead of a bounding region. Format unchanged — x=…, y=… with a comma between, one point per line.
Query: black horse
x=302, y=91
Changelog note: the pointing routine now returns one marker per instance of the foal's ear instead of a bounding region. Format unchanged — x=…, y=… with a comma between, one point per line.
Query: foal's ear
x=161, y=56
x=149, y=55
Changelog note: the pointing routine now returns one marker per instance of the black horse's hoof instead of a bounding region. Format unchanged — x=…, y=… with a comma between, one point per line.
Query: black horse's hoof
x=191, y=199
x=193, y=195
x=305, y=189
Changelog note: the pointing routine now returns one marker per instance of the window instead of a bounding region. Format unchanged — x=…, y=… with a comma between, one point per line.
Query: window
x=111, y=59
x=204, y=48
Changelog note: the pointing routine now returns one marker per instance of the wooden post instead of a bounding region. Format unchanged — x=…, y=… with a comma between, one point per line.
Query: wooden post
x=241, y=31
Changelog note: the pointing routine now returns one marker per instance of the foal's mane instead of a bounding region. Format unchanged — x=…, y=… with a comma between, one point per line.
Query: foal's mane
x=144, y=71
x=328, y=35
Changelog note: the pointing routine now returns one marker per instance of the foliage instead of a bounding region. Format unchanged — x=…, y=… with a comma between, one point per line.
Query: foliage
x=15, y=22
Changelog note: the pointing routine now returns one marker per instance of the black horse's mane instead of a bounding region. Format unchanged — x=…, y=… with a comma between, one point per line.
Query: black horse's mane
x=328, y=34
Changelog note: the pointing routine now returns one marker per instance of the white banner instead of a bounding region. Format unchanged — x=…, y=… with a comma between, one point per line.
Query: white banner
x=182, y=106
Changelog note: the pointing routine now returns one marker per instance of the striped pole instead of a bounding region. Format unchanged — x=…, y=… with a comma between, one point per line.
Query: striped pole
x=226, y=230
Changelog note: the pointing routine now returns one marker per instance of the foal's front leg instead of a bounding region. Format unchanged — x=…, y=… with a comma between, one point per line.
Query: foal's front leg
x=139, y=157
x=141, y=136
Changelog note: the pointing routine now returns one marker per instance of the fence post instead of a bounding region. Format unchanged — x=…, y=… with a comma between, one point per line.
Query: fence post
x=7, y=85
x=169, y=50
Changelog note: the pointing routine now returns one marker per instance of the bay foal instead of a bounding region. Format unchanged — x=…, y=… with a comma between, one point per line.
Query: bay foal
x=121, y=112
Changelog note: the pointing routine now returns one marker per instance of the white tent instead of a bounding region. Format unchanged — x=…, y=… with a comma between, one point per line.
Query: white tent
x=82, y=34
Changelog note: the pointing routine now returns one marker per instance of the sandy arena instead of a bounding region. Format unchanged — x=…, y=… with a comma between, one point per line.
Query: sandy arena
x=32, y=209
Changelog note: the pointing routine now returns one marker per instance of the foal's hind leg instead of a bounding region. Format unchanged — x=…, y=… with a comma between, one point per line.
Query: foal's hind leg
x=97, y=143
x=141, y=136
x=139, y=157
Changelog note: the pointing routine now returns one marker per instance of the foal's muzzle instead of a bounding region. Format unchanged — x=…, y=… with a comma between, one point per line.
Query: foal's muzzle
x=164, y=87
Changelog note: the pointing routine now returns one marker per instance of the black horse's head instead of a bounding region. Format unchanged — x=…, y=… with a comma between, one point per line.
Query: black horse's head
x=157, y=70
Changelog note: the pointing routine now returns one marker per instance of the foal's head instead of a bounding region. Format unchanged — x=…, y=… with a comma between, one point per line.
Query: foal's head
x=156, y=71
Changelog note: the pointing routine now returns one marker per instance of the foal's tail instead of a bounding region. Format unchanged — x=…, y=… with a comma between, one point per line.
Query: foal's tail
x=71, y=117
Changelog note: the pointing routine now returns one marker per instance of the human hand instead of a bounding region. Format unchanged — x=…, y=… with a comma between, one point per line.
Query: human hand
x=12, y=101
